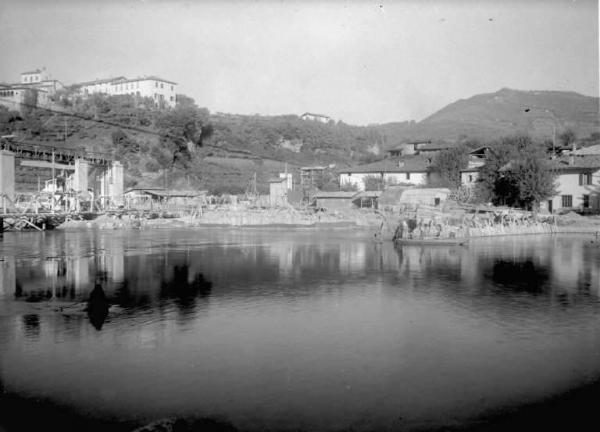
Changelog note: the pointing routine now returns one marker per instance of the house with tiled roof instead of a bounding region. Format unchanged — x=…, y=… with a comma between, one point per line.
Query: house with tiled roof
x=160, y=90
x=407, y=170
x=315, y=117
x=577, y=183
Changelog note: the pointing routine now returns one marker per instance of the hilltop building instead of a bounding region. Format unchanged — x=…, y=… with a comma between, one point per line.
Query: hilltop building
x=36, y=87
x=162, y=91
x=315, y=117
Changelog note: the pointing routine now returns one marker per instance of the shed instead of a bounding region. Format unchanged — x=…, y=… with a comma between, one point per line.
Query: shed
x=399, y=196
x=337, y=200
x=367, y=199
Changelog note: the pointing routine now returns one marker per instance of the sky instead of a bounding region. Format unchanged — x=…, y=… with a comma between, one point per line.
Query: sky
x=360, y=62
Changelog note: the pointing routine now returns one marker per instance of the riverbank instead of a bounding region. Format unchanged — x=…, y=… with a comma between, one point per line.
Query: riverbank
x=233, y=217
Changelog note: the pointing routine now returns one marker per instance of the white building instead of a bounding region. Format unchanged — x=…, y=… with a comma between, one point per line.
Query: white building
x=315, y=117
x=409, y=170
x=162, y=91
x=577, y=184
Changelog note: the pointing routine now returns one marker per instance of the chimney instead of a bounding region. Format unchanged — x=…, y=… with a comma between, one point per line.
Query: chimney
x=400, y=164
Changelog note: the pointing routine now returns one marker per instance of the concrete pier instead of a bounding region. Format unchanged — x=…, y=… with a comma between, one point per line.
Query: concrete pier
x=7, y=178
x=81, y=176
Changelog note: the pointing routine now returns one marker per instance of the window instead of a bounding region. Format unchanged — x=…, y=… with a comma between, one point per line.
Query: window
x=567, y=200
x=407, y=176
x=172, y=88
x=586, y=201
x=156, y=84
x=161, y=85
x=585, y=179
x=470, y=178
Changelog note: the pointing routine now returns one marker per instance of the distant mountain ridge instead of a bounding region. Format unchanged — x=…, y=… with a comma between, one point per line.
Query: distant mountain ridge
x=506, y=112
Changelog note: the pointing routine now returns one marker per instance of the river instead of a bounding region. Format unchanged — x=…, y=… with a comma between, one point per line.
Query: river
x=294, y=329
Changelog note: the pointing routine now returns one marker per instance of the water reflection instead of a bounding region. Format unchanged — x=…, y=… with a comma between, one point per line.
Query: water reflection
x=253, y=324
x=97, y=307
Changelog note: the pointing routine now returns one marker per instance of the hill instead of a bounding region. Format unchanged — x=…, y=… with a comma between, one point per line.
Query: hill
x=190, y=147
x=505, y=112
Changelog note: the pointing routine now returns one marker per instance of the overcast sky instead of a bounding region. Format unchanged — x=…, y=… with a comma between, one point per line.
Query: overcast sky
x=358, y=61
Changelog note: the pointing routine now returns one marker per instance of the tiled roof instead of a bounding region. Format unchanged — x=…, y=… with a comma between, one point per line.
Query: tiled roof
x=144, y=78
x=434, y=146
x=591, y=150
x=31, y=72
x=404, y=164
x=589, y=162
x=99, y=81
x=334, y=194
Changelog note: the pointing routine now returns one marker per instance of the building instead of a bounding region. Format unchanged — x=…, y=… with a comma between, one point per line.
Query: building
x=312, y=177
x=423, y=147
x=400, y=197
x=15, y=97
x=577, y=184
x=409, y=170
x=316, y=117
x=336, y=200
x=35, y=88
x=279, y=189
x=161, y=91
x=469, y=175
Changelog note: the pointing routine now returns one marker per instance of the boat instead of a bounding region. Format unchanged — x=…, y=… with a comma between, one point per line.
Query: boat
x=433, y=241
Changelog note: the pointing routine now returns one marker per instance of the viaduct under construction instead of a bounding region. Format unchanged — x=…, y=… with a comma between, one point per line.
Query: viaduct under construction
x=92, y=177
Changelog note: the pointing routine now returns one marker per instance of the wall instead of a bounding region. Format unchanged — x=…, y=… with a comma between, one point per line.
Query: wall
x=464, y=178
x=358, y=179
x=334, y=203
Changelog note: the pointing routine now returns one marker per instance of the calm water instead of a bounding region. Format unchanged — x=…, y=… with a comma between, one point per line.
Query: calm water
x=295, y=330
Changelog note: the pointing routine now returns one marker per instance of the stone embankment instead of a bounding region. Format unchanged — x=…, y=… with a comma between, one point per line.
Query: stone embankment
x=232, y=216
x=427, y=223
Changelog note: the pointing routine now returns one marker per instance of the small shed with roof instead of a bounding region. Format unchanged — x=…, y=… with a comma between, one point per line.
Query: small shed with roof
x=336, y=200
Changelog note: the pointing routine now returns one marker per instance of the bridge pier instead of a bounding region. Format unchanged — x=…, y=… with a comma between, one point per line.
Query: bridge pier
x=81, y=176
x=7, y=177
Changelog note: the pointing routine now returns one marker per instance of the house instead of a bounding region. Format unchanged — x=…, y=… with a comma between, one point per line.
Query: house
x=423, y=147
x=577, y=183
x=337, y=200
x=312, y=176
x=40, y=79
x=315, y=117
x=279, y=189
x=408, y=170
x=151, y=197
x=395, y=198
x=367, y=199
x=162, y=91
x=16, y=97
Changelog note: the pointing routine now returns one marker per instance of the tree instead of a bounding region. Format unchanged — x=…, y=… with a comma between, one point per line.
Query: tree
x=532, y=180
x=517, y=173
x=567, y=137
x=448, y=164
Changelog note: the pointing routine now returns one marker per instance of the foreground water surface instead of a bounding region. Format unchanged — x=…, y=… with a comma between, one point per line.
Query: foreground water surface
x=295, y=330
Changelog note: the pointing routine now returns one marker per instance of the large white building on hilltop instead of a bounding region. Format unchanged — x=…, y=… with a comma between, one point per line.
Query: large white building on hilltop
x=162, y=91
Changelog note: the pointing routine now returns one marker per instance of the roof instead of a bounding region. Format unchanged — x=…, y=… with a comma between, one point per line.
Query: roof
x=167, y=193
x=100, y=81
x=31, y=72
x=434, y=146
x=313, y=168
x=409, y=164
x=401, y=146
x=580, y=163
x=315, y=115
x=335, y=194
x=368, y=194
x=144, y=78
x=591, y=150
